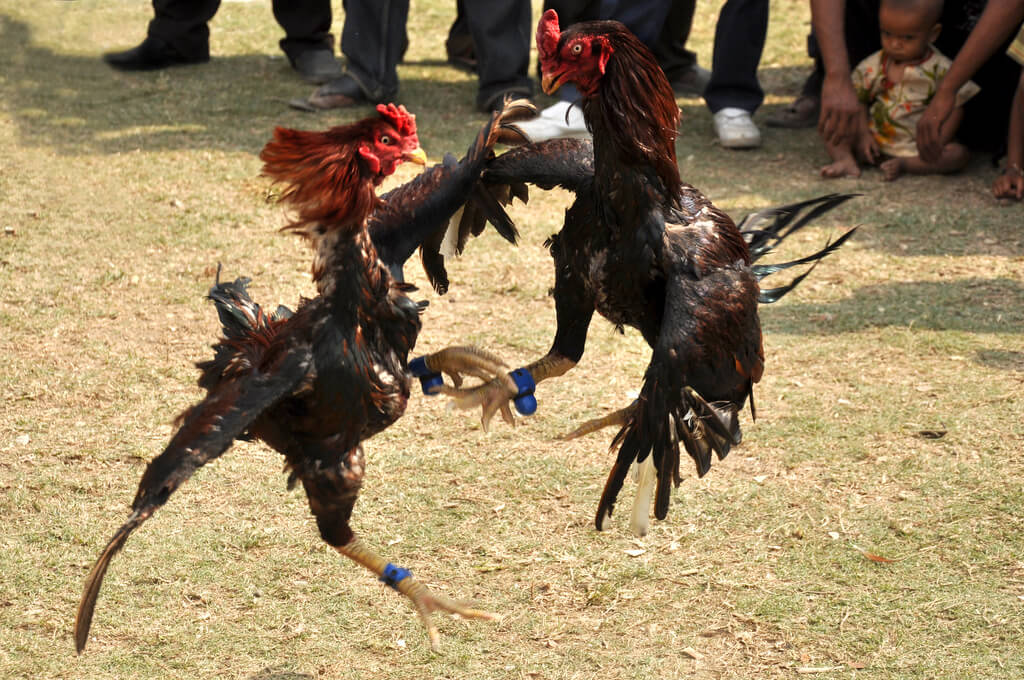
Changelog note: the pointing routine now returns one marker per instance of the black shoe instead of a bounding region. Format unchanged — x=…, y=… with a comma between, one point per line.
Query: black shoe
x=691, y=81
x=152, y=54
x=316, y=66
x=802, y=113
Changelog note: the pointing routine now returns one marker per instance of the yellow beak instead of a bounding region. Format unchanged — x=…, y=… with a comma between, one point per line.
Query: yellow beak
x=417, y=156
x=550, y=82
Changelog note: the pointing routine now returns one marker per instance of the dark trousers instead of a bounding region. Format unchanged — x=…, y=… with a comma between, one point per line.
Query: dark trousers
x=670, y=47
x=739, y=41
x=645, y=18
x=184, y=25
x=502, y=33
x=373, y=41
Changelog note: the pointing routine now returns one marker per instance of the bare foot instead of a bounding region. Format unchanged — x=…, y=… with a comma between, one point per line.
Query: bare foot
x=891, y=169
x=844, y=167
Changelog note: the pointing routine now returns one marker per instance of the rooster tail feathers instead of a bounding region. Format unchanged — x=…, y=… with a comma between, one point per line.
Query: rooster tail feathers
x=657, y=428
x=207, y=430
x=238, y=313
x=769, y=295
x=765, y=230
x=87, y=605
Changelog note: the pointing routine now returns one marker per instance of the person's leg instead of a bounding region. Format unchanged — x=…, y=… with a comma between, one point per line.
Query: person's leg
x=954, y=157
x=739, y=41
x=678, y=63
x=373, y=40
x=183, y=24
x=844, y=163
x=308, y=42
x=734, y=92
x=502, y=34
x=645, y=18
x=178, y=34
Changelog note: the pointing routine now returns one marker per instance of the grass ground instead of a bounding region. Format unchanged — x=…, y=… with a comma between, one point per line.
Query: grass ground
x=889, y=416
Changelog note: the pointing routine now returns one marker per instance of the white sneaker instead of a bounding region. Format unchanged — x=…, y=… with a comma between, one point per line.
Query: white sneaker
x=557, y=121
x=736, y=130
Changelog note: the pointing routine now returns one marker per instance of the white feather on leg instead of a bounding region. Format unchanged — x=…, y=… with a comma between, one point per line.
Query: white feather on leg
x=645, y=480
x=450, y=242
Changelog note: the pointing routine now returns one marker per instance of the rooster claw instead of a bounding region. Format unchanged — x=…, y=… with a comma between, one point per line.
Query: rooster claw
x=618, y=418
x=427, y=603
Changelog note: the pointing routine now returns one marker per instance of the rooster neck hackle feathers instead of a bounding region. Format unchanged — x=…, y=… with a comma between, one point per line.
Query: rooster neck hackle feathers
x=637, y=110
x=324, y=177
x=631, y=108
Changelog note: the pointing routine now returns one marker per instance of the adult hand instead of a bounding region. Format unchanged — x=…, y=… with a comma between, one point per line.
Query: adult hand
x=840, y=111
x=932, y=131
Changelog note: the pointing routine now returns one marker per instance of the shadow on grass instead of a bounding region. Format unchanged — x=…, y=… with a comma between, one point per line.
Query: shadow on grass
x=78, y=105
x=275, y=674
x=970, y=305
x=1003, y=360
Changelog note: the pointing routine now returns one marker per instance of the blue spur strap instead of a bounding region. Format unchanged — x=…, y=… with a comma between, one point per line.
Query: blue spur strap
x=524, y=401
x=429, y=380
x=392, y=575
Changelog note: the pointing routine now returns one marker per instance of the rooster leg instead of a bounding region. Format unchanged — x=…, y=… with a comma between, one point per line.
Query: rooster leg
x=618, y=418
x=456, y=361
x=401, y=580
x=495, y=395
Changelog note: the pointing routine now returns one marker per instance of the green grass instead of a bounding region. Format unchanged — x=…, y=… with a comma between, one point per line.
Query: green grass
x=124, y=192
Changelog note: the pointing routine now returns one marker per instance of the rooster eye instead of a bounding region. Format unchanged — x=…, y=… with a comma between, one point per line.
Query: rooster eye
x=384, y=139
x=576, y=49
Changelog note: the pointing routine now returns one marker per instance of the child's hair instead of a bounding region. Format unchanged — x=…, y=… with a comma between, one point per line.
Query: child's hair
x=932, y=9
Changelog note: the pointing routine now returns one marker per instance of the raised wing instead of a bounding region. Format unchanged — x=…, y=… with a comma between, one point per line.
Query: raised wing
x=417, y=214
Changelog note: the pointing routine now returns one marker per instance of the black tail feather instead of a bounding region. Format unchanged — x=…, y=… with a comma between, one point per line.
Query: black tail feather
x=761, y=271
x=87, y=606
x=657, y=429
x=784, y=220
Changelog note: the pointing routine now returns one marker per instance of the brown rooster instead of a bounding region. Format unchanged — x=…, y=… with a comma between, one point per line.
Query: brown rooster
x=648, y=251
x=313, y=385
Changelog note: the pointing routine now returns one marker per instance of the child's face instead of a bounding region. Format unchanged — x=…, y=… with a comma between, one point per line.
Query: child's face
x=905, y=35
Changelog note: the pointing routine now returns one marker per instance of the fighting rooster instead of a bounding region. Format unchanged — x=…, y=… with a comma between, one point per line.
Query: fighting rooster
x=314, y=384
x=645, y=250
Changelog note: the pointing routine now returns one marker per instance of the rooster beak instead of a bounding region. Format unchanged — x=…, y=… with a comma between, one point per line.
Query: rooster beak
x=549, y=82
x=417, y=156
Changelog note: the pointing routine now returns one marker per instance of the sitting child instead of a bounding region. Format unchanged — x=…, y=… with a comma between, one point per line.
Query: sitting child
x=895, y=85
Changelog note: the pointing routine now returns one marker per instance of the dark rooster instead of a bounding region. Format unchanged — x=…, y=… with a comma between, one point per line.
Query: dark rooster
x=314, y=384
x=646, y=250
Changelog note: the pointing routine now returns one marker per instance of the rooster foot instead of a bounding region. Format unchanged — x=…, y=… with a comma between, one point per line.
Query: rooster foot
x=493, y=396
x=617, y=418
x=456, y=362
x=427, y=603
x=401, y=580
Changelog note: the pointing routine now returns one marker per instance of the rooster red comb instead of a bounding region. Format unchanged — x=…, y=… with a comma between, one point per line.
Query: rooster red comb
x=403, y=121
x=548, y=35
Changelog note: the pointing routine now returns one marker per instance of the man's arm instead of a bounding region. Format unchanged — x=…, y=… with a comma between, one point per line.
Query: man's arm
x=840, y=108
x=998, y=21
